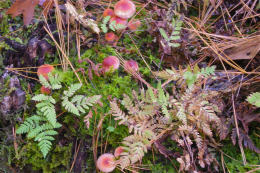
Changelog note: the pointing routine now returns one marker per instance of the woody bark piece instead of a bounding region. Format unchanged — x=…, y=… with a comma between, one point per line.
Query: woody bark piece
x=86, y=22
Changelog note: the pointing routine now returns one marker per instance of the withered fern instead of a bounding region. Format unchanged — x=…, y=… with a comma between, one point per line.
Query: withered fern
x=187, y=115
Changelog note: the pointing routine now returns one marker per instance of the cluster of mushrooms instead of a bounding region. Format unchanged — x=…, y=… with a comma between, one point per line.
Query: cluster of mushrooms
x=107, y=162
x=123, y=10
x=109, y=64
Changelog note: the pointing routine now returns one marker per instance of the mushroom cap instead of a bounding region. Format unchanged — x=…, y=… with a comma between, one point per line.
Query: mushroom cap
x=44, y=70
x=108, y=12
x=110, y=36
x=118, y=151
x=134, y=24
x=119, y=20
x=110, y=62
x=106, y=162
x=124, y=9
x=131, y=65
x=45, y=90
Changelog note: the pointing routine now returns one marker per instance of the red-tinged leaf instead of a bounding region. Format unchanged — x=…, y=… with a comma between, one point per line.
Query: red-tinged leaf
x=25, y=7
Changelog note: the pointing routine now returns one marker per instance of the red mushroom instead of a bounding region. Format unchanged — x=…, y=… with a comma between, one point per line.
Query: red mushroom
x=108, y=12
x=44, y=70
x=45, y=90
x=110, y=63
x=118, y=151
x=134, y=24
x=131, y=65
x=124, y=9
x=106, y=162
x=110, y=37
x=119, y=20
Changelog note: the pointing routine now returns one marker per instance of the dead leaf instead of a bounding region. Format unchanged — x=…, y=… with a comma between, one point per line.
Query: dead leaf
x=244, y=49
x=25, y=7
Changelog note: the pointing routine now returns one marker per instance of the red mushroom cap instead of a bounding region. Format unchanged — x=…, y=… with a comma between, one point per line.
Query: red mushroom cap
x=131, y=65
x=118, y=151
x=124, y=9
x=44, y=70
x=45, y=90
x=110, y=62
x=108, y=12
x=119, y=20
x=106, y=162
x=110, y=37
x=134, y=24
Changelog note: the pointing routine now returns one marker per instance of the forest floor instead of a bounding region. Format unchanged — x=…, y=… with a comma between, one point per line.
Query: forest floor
x=160, y=86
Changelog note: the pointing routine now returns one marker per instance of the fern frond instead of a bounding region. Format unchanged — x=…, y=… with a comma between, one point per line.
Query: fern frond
x=48, y=110
x=118, y=113
x=45, y=147
x=104, y=23
x=151, y=94
x=43, y=134
x=69, y=106
x=55, y=81
x=90, y=101
x=180, y=111
x=134, y=150
x=206, y=72
x=34, y=132
x=29, y=124
x=254, y=99
x=72, y=89
x=44, y=82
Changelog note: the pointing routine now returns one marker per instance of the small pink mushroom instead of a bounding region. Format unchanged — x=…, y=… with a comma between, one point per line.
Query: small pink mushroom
x=45, y=90
x=108, y=12
x=110, y=37
x=134, y=24
x=44, y=70
x=118, y=151
x=106, y=162
x=110, y=63
x=119, y=20
x=131, y=65
x=124, y=9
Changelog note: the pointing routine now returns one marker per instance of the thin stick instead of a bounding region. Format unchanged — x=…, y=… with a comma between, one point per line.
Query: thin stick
x=57, y=45
x=238, y=135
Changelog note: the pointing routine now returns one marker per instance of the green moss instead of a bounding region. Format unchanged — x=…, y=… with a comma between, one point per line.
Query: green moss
x=236, y=164
x=58, y=161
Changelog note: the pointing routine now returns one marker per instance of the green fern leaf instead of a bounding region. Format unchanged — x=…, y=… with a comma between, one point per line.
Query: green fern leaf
x=206, y=72
x=44, y=82
x=70, y=107
x=55, y=81
x=45, y=146
x=46, y=135
x=29, y=124
x=104, y=23
x=254, y=99
x=151, y=94
x=72, y=89
x=164, y=34
x=112, y=25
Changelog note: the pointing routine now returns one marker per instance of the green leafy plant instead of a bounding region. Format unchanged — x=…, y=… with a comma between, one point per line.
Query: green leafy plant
x=41, y=127
x=174, y=35
x=191, y=76
x=254, y=99
x=111, y=25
